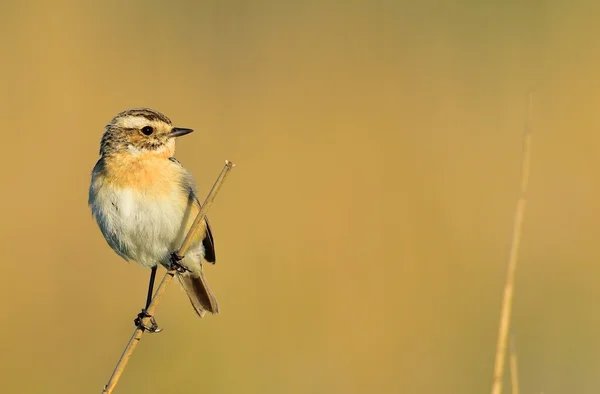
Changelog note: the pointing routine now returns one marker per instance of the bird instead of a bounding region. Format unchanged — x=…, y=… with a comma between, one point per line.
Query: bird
x=144, y=202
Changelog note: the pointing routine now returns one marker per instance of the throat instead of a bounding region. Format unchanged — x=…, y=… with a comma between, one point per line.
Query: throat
x=162, y=150
x=149, y=172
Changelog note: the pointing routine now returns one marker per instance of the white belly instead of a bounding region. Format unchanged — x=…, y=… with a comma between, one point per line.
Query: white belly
x=141, y=228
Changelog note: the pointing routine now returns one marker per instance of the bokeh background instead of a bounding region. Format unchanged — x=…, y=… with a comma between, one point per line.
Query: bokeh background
x=362, y=238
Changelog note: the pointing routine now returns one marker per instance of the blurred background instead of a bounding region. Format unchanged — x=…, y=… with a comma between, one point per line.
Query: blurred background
x=362, y=238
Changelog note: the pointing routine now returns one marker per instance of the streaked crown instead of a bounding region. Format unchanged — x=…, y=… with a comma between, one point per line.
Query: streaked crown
x=140, y=130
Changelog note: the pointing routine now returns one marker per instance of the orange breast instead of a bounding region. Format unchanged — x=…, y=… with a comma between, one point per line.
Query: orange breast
x=155, y=175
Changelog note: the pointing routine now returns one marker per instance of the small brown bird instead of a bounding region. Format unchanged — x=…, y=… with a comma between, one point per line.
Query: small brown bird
x=145, y=201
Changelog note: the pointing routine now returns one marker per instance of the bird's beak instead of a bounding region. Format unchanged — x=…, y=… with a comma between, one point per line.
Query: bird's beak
x=179, y=131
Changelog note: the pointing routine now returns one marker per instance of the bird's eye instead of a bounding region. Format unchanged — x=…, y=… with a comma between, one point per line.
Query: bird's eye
x=147, y=130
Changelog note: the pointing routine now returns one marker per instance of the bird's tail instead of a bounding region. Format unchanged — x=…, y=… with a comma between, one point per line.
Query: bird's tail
x=196, y=288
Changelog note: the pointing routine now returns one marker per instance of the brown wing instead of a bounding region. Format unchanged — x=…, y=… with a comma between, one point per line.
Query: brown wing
x=208, y=242
x=209, y=245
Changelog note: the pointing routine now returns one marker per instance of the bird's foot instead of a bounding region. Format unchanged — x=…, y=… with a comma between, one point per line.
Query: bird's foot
x=175, y=265
x=139, y=322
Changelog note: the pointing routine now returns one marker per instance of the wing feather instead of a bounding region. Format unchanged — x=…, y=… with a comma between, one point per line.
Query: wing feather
x=208, y=241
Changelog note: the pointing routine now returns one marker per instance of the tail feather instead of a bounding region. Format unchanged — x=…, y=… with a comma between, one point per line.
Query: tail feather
x=197, y=290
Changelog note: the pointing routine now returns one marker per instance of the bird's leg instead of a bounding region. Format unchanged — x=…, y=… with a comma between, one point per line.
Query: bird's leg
x=175, y=265
x=151, y=286
x=143, y=314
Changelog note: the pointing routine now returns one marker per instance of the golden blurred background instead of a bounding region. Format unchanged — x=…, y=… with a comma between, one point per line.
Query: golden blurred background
x=362, y=238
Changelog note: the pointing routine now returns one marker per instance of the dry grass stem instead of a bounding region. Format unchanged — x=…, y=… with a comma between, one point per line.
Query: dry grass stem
x=512, y=259
x=162, y=288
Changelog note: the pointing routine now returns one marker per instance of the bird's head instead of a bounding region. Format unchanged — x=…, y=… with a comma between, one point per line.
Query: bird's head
x=140, y=131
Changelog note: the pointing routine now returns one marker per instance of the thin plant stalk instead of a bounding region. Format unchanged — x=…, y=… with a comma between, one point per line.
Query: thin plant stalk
x=509, y=285
x=162, y=288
